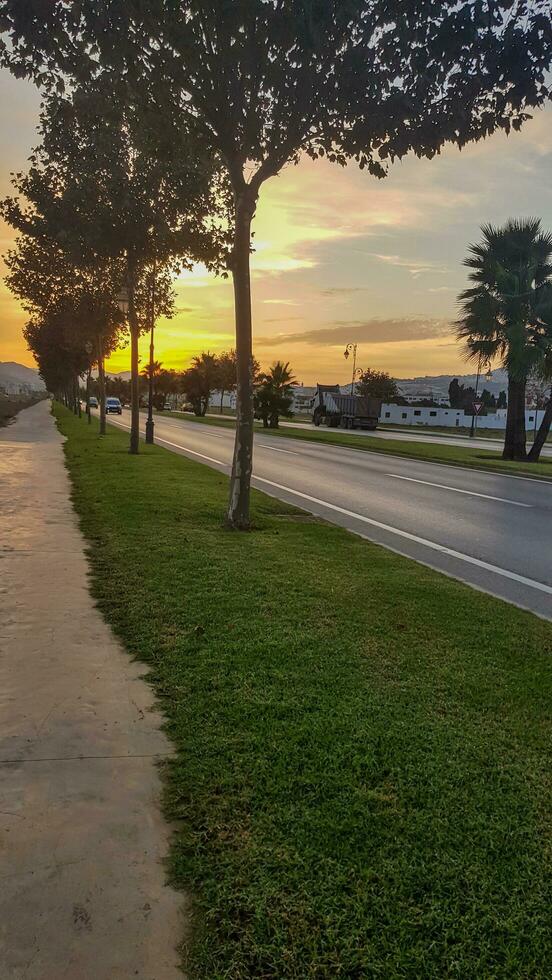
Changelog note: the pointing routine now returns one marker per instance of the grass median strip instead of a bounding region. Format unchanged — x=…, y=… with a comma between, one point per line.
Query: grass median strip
x=361, y=779
x=480, y=459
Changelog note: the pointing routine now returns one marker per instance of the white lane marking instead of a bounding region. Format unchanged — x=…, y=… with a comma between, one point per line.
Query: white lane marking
x=471, y=493
x=504, y=572
x=545, y=481
x=274, y=450
x=185, y=449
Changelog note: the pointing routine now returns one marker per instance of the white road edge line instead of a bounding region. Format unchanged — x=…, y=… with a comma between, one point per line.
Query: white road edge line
x=413, y=459
x=273, y=449
x=504, y=572
x=470, y=493
x=185, y=449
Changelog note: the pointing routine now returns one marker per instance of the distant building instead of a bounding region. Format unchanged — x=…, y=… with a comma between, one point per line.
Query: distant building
x=302, y=399
x=408, y=415
x=414, y=395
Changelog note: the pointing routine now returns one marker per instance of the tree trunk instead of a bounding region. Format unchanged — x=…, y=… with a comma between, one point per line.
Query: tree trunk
x=101, y=384
x=514, y=442
x=221, y=400
x=240, y=480
x=134, y=375
x=150, y=423
x=88, y=412
x=78, y=396
x=542, y=434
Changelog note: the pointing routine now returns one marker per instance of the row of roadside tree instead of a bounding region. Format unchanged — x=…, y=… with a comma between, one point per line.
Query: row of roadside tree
x=162, y=121
x=207, y=374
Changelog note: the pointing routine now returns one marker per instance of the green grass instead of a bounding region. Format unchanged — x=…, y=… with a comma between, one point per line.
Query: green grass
x=460, y=430
x=480, y=459
x=362, y=781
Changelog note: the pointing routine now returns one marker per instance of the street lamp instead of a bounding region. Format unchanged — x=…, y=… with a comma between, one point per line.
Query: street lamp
x=351, y=348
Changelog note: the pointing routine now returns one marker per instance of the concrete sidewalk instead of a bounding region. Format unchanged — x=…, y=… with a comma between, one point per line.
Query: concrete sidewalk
x=82, y=894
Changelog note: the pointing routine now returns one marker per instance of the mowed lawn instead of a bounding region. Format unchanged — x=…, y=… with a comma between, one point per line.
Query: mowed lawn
x=479, y=459
x=361, y=785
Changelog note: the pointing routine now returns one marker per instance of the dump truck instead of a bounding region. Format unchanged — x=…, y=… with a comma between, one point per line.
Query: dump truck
x=332, y=408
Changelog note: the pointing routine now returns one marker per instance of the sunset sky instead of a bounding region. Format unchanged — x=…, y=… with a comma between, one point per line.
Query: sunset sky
x=340, y=257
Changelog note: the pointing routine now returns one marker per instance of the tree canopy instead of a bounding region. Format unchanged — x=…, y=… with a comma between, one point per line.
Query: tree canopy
x=273, y=394
x=263, y=81
x=377, y=384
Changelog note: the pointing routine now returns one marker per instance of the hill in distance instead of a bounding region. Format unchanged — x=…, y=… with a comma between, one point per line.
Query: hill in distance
x=12, y=373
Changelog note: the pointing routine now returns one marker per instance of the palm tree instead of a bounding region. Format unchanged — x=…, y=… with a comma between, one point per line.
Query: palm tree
x=510, y=269
x=156, y=369
x=273, y=395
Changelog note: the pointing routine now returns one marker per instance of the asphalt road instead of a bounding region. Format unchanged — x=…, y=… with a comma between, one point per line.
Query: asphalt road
x=492, y=531
x=419, y=435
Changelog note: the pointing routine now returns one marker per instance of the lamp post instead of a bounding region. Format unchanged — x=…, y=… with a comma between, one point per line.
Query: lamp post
x=346, y=354
x=149, y=420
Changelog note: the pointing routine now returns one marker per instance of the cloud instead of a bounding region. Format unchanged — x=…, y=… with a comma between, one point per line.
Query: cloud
x=281, y=302
x=343, y=290
x=375, y=331
x=282, y=319
x=415, y=268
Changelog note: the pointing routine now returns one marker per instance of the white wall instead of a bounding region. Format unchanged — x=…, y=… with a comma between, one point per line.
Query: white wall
x=228, y=401
x=408, y=415
x=452, y=417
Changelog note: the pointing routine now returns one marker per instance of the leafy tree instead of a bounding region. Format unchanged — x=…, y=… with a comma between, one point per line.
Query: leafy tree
x=122, y=187
x=501, y=316
x=70, y=301
x=227, y=373
x=488, y=400
x=501, y=401
x=455, y=393
x=165, y=382
x=273, y=394
x=199, y=381
x=461, y=396
x=377, y=384
x=263, y=82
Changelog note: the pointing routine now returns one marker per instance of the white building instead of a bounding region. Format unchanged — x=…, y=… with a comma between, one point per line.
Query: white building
x=452, y=417
x=406, y=415
x=302, y=398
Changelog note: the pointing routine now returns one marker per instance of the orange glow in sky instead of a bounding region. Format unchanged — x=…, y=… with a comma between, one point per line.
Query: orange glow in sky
x=339, y=256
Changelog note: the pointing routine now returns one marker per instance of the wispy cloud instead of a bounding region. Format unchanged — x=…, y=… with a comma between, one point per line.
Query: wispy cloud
x=280, y=302
x=343, y=290
x=374, y=331
x=283, y=319
x=414, y=267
